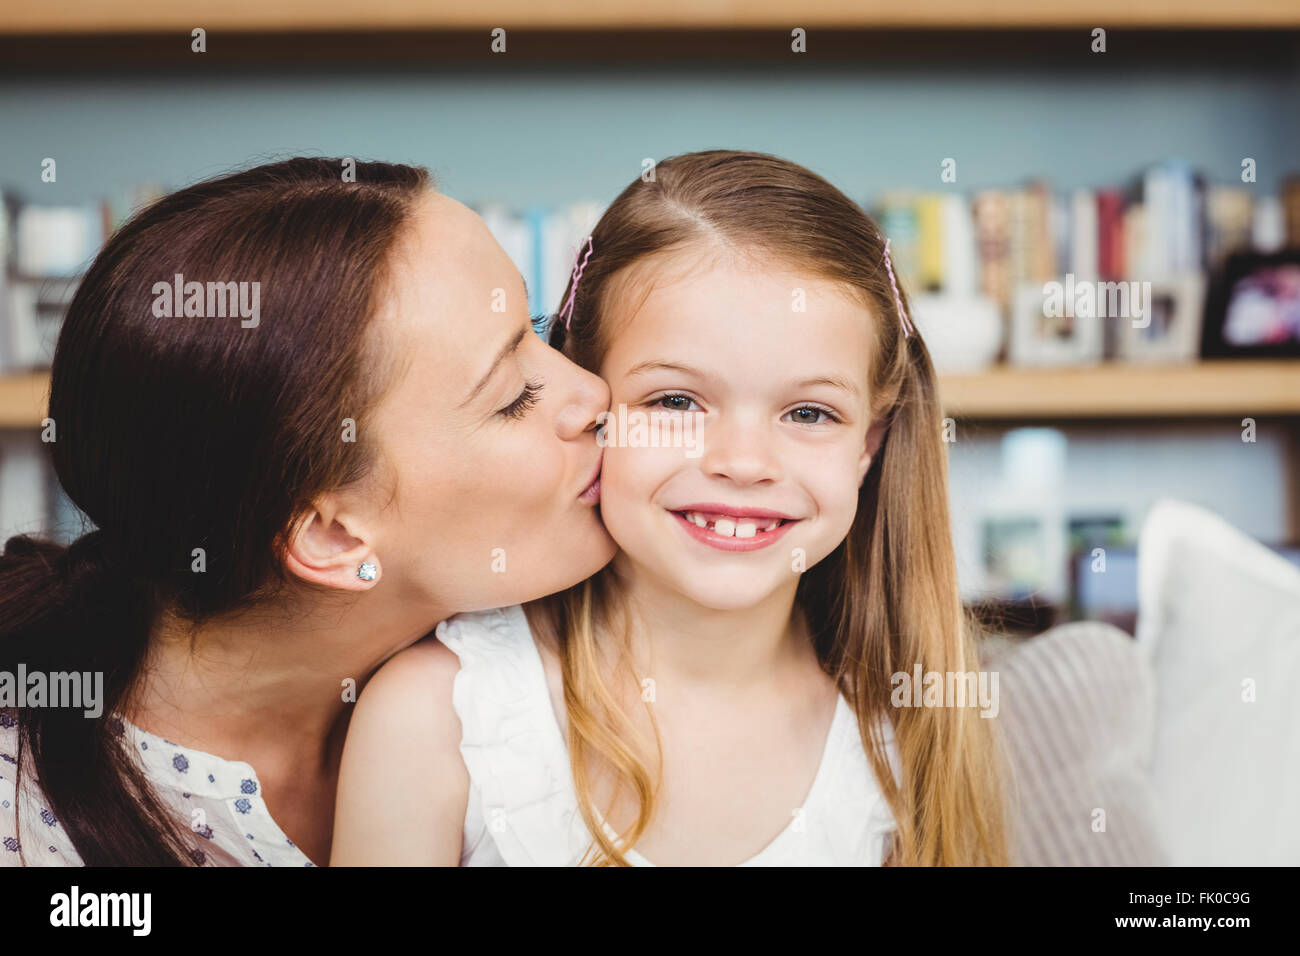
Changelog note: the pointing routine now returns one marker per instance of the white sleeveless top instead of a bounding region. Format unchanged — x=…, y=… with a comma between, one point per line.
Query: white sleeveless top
x=523, y=809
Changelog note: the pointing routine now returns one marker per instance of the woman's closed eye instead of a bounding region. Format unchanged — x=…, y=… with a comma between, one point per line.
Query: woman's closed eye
x=524, y=403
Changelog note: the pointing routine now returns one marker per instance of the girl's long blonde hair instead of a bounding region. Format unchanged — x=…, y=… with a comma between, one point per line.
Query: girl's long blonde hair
x=886, y=599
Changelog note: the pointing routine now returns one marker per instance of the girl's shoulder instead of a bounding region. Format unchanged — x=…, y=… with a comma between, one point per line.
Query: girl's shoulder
x=476, y=635
x=431, y=680
x=431, y=666
x=523, y=811
x=403, y=737
x=465, y=655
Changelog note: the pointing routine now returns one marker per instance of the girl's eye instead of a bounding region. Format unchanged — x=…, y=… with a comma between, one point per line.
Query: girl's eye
x=675, y=403
x=808, y=415
x=524, y=403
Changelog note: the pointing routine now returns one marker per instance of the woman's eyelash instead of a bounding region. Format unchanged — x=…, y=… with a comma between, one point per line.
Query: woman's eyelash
x=524, y=403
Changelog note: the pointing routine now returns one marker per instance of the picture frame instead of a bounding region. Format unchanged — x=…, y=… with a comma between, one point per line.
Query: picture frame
x=1252, y=307
x=1172, y=319
x=1040, y=339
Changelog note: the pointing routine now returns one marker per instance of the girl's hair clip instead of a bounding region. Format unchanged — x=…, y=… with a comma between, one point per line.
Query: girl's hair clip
x=898, y=298
x=579, y=265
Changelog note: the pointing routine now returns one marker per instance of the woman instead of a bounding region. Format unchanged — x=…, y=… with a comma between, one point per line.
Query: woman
x=285, y=497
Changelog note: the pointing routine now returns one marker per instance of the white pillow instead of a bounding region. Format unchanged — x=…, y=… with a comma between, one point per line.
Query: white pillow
x=1219, y=618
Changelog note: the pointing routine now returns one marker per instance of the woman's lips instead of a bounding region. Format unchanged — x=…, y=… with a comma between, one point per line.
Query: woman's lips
x=738, y=531
x=591, y=494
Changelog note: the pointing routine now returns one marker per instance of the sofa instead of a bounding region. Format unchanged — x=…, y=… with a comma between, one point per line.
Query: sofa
x=1179, y=746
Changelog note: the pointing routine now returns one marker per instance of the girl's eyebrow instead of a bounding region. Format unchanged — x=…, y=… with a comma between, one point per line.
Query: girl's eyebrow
x=834, y=382
x=644, y=367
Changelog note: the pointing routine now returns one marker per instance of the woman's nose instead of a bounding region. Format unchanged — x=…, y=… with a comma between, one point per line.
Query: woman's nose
x=585, y=397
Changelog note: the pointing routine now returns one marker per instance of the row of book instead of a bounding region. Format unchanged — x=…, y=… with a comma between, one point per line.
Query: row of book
x=1167, y=222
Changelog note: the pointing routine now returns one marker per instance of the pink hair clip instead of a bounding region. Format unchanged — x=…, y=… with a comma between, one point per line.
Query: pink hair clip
x=898, y=298
x=578, y=268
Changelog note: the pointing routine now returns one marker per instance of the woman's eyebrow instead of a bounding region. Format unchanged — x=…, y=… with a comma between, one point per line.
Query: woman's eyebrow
x=506, y=350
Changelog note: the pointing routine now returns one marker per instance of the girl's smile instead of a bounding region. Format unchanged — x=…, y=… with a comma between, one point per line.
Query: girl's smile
x=729, y=528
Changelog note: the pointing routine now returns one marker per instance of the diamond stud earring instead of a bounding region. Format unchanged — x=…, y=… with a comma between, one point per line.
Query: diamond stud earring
x=367, y=571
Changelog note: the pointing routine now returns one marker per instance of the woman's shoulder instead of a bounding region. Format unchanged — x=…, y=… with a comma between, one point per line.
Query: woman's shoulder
x=26, y=824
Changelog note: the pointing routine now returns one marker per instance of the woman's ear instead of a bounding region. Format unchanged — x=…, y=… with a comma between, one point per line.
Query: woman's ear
x=875, y=435
x=332, y=548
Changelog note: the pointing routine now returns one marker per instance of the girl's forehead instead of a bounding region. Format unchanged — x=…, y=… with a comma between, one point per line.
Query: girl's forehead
x=745, y=326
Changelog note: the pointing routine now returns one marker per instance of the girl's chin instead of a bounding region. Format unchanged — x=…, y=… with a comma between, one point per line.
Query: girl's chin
x=724, y=591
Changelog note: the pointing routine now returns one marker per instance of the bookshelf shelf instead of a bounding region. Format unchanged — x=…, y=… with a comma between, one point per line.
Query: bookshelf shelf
x=1123, y=391
x=156, y=16
x=23, y=399
x=1109, y=391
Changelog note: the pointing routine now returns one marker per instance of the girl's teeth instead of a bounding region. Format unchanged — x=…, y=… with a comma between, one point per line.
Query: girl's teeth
x=732, y=527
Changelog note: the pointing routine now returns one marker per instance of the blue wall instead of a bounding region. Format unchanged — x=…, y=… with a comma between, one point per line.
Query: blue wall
x=542, y=135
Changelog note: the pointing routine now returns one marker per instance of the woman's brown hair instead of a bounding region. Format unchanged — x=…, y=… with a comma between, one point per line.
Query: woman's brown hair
x=887, y=598
x=175, y=434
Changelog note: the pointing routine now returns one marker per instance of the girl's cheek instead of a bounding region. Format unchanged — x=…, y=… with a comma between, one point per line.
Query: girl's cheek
x=835, y=490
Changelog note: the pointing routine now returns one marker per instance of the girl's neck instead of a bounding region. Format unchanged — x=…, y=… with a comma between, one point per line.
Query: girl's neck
x=676, y=639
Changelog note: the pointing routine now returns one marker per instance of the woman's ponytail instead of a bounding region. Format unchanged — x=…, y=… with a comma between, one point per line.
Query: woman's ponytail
x=78, y=610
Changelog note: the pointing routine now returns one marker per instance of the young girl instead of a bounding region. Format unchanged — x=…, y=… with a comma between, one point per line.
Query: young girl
x=723, y=692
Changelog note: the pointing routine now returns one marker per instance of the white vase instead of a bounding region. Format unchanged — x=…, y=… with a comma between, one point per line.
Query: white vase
x=963, y=333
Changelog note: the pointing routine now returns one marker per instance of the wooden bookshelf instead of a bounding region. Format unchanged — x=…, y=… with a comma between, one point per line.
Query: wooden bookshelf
x=157, y=16
x=1114, y=390
x=23, y=400
x=1110, y=391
